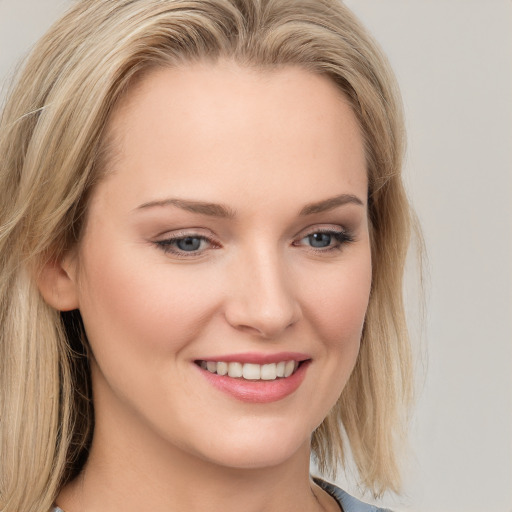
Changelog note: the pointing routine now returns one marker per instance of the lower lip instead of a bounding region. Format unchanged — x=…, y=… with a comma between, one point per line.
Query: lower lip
x=257, y=391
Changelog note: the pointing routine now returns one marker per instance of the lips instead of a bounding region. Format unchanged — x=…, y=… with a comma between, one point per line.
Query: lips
x=254, y=377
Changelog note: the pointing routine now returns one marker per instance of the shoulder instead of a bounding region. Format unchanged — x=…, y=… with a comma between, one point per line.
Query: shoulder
x=347, y=502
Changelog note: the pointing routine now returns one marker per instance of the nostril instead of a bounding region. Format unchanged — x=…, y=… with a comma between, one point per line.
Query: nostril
x=264, y=326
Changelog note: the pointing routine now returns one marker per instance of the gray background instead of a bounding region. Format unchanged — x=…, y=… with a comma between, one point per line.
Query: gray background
x=453, y=59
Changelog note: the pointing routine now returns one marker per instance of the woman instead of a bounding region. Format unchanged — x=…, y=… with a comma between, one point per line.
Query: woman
x=203, y=238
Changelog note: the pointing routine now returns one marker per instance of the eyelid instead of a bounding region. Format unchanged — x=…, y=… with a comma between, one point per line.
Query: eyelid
x=165, y=244
x=342, y=237
x=323, y=228
x=183, y=233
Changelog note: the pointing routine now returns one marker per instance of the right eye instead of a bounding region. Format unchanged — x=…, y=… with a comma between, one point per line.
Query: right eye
x=185, y=245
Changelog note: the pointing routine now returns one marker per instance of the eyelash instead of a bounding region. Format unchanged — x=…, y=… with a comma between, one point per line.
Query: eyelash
x=341, y=238
x=168, y=245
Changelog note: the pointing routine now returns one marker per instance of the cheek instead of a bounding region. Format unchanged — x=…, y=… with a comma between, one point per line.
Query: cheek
x=335, y=303
x=338, y=303
x=149, y=309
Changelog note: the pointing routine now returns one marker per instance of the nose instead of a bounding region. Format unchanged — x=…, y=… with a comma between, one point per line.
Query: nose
x=262, y=300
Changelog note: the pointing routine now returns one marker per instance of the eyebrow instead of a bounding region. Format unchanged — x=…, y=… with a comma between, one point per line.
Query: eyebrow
x=201, y=207
x=220, y=210
x=330, y=204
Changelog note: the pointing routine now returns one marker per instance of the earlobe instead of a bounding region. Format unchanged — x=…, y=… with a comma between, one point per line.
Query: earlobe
x=57, y=284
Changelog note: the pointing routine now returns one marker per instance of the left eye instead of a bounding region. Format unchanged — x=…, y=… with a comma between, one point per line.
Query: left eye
x=319, y=240
x=326, y=240
x=189, y=243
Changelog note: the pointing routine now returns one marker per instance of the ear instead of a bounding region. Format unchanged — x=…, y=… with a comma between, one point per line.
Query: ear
x=57, y=284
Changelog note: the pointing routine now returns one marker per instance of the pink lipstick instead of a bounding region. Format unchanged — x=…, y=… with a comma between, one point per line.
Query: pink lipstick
x=255, y=377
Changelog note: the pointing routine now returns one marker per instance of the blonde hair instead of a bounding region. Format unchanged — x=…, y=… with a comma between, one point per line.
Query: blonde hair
x=53, y=147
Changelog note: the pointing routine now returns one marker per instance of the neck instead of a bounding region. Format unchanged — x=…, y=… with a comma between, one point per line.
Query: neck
x=183, y=482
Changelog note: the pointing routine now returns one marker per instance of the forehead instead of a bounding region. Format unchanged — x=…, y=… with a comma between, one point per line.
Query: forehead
x=208, y=124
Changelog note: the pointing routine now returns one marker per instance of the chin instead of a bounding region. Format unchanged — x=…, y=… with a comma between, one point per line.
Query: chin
x=257, y=458
x=252, y=449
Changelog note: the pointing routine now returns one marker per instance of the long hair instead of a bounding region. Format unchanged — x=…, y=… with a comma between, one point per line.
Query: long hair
x=53, y=148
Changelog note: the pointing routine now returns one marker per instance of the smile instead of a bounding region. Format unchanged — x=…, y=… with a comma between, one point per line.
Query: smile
x=255, y=377
x=251, y=371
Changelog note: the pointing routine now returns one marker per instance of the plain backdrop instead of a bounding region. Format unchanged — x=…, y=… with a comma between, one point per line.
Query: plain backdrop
x=453, y=59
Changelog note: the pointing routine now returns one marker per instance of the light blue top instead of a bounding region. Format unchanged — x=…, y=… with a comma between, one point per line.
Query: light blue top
x=346, y=502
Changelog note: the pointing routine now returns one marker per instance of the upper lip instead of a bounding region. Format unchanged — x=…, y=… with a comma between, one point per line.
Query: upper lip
x=258, y=358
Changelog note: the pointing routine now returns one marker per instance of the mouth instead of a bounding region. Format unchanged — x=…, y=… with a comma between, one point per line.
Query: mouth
x=255, y=377
x=251, y=371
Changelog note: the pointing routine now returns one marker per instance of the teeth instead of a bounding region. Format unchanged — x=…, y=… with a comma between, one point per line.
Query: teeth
x=251, y=371
x=268, y=372
x=235, y=370
x=289, y=368
x=222, y=368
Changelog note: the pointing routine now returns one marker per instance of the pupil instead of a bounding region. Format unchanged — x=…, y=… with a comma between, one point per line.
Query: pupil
x=320, y=240
x=189, y=243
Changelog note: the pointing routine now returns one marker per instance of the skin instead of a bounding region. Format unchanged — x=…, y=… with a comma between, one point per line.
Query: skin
x=265, y=145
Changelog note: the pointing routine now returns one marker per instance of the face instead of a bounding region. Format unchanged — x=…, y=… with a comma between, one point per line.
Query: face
x=224, y=271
